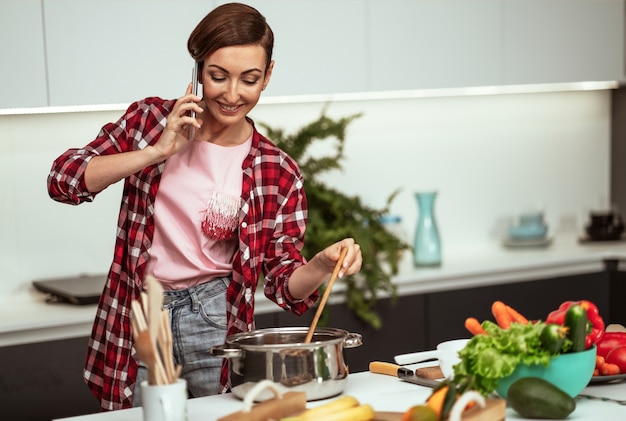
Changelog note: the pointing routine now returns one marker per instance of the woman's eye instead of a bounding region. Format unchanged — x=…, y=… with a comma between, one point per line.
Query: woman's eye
x=250, y=82
x=217, y=78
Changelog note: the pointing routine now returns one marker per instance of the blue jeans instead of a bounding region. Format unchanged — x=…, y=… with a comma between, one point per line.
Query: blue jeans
x=198, y=318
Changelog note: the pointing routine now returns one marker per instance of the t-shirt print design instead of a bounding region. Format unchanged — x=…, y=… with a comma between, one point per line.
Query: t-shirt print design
x=219, y=220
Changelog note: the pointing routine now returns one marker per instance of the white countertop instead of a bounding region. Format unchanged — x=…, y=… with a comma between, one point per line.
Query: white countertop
x=25, y=317
x=384, y=393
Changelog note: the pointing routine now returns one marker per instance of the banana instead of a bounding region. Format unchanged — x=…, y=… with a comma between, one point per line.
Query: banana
x=356, y=413
x=324, y=411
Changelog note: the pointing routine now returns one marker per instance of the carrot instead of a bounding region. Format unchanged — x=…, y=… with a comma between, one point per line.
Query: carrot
x=502, y=316
x=473, y=326
x=516, y=316
x=435, y=400
x=608, y=369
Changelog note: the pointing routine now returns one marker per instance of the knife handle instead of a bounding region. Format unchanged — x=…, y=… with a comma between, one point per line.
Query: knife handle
x=380, y=367
x=389, y=369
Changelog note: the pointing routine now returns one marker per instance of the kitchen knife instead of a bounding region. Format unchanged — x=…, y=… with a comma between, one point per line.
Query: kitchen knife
x=401, y=372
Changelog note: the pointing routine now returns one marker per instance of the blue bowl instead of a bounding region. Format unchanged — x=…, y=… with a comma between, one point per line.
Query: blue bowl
x=528, y=231
x=569, y=372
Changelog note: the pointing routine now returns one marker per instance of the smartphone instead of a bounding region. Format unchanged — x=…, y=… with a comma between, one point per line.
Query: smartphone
x=194, y=90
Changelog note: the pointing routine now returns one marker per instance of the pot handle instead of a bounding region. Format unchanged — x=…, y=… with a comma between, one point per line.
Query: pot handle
x=352, y=340
x=225, y=352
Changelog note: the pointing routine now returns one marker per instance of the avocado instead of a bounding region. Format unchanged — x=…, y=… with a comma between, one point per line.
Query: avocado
x=533, y=397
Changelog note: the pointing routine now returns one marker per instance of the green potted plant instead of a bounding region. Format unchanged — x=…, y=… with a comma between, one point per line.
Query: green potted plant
x=334, y=215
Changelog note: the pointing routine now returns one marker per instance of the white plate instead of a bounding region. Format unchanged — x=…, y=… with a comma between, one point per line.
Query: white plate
x=606, y=379
x=536, y=242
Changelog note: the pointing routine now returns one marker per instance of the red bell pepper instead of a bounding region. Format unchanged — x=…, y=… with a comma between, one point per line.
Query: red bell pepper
x=595, y=327
x=609, y=341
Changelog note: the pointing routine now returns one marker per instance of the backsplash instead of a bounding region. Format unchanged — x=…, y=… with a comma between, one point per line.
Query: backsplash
x=489, y=157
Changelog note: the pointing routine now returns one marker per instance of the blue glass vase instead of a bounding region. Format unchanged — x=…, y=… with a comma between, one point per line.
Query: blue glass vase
x=427, y=245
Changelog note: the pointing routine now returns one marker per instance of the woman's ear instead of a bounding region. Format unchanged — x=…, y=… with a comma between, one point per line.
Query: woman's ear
x=268, y=74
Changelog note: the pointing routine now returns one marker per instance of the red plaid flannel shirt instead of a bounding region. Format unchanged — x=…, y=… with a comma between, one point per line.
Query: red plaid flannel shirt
x=272, y=222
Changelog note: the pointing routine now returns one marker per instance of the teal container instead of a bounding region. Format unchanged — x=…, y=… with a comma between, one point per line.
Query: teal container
x=569, y=372
x=427, y=244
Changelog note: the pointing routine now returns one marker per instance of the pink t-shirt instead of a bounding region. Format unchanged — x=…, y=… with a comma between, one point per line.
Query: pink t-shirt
x=196, y=214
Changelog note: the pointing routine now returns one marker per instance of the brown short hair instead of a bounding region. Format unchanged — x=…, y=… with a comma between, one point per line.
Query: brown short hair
x=229, y=25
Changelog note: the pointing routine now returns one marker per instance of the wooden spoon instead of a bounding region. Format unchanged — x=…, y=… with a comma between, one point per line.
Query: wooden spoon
x=146, y=350
x=320, y=308
x=155, y=304
x=165, y=344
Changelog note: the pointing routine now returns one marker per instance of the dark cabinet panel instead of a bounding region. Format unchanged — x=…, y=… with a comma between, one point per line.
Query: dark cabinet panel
x=617, y=287
x=43, y=381
x=446, y=311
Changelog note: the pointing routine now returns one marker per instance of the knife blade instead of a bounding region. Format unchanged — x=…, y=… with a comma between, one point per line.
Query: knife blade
x=402, y=373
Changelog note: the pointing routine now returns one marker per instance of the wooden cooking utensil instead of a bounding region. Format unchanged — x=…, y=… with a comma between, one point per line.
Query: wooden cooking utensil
x=165, y=344
x=155, y=303
x=146, y=349
x=329, y=286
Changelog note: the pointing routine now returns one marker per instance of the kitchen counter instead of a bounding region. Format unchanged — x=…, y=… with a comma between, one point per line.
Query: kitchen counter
x=26, y=317
x=384, y=393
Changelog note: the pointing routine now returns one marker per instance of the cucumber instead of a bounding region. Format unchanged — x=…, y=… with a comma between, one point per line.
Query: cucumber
x=576, y=321
x=552, y=337
x=533, y=397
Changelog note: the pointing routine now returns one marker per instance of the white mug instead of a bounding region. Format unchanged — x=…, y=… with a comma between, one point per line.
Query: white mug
x=447, y=353
x=167, y=402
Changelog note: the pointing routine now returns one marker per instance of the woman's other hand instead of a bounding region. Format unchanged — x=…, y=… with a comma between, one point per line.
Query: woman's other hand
x=330, y=255
x=307, y=278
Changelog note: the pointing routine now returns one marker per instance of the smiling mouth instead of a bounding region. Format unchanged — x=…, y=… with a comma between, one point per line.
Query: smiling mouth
x=229, y=108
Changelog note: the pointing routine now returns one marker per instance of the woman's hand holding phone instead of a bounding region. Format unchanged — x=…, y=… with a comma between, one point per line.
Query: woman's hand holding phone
x=180, y=124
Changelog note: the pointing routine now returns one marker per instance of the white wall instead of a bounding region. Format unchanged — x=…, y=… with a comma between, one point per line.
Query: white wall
x=490, y=157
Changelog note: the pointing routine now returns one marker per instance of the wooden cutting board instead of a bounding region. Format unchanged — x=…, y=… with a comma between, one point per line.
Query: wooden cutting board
x=495, y=410
x=388, y=416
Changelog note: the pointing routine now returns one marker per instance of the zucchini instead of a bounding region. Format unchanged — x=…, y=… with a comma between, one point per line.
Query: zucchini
x=576, y=321
x=533, y=397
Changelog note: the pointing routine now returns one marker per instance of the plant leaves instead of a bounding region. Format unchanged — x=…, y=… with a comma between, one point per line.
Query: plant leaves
x=334, y=215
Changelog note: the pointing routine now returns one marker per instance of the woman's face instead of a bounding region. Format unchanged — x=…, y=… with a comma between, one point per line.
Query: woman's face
x=232, y=81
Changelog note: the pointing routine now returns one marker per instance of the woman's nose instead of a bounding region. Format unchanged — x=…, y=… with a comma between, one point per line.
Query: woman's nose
x=232, y=92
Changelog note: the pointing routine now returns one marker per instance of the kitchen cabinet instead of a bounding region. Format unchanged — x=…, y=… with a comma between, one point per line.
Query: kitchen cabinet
x=44, y=380
x=321, y=46
x=148, y=56
x=117, y=51
x=562, y=41
x=434, y=44
x=618, y=148
x=23, y=73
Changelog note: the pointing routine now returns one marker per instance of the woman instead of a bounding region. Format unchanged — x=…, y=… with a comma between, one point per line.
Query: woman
x=205, y=216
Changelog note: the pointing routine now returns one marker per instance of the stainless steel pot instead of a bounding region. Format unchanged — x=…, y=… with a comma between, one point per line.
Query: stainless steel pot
x=279, y=354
